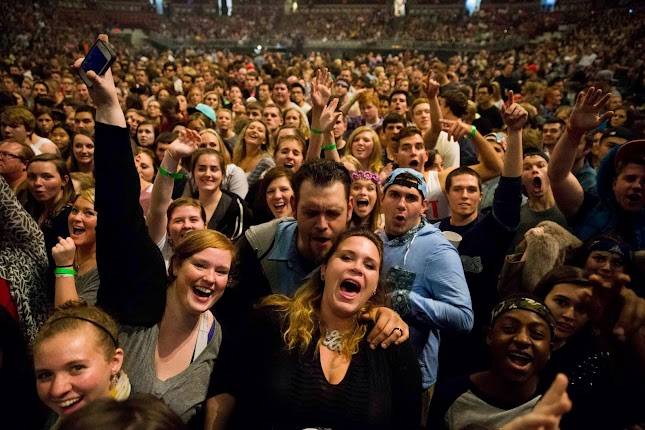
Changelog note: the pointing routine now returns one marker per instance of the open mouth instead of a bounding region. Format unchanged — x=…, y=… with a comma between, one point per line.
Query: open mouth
x=78, y=230
x=414, y=164
x=634, y=197
x=362, y=203
x=202, y=291
x=288, y=165
x=520, y=359
x=349, y=289
x=399, y=218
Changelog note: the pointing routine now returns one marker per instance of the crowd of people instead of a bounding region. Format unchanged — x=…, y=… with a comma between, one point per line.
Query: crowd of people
x=205, y=239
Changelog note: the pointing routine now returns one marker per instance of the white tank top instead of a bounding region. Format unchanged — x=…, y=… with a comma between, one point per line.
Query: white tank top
x=437, y=203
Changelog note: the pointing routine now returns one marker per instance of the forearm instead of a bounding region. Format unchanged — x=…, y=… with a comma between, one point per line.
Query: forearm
x=65, y=290
x=455, y=316
x=431, y=136
x=161, y=198
x=487, y=156
x=315, y=142
x=329, y=146
x=218, y=411
x=512, y=166
x=563, y=156
x=111, y=113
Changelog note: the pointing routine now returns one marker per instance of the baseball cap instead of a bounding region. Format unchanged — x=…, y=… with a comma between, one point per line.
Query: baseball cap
x=620, y=132
x=204, y=109
x=408, y=178
x=632, y=150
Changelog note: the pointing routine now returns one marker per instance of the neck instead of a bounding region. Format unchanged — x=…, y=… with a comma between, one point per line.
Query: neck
x=210, y=197
x=542, y=203
x=86, y=255
x=505, y=391
x=329, y=321
x=15, y=179
x=253, y=150
x=460, y=220
x=176, y=323
x=486, y=105
x=86, y=168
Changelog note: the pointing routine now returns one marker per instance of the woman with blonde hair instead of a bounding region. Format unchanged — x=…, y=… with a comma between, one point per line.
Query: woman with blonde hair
x=305, y=362
x=250, y=152
x=365, y=145
x=293, y=117
x=235, y=178
x=77, y=359
x=170, y=336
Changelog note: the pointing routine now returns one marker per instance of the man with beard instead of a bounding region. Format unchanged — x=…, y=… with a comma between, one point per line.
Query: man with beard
x=551, y=131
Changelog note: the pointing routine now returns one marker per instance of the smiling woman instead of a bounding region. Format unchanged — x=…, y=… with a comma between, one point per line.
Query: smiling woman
x=77, y=359
x=305, y=361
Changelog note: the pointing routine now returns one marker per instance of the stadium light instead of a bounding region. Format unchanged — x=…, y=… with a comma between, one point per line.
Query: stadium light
x=472, y=6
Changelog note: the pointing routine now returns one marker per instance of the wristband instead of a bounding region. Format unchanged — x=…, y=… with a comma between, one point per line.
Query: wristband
x=473, y=132
x=329, y=147
x=64, y=271
x=316, y=130
x=175, y=175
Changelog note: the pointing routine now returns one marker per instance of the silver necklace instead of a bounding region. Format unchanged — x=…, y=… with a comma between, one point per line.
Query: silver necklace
x=333, y=340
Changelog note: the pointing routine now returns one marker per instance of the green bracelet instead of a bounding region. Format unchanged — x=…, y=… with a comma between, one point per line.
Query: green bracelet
x=473, y=132
x=329, y=147
x=175, y=175
x=316, y=130
x=64, y=271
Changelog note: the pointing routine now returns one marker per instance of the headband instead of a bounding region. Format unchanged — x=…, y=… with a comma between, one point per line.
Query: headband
x=526, y=304
x=366, y=175
x=94, y=323
x=611, y=245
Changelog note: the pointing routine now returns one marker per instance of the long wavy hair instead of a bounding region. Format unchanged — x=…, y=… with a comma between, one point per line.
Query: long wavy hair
x=375, y=161
x=301, y=314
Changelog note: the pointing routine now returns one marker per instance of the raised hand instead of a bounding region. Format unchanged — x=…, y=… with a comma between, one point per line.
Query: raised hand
x=103, y=91
x=514, y=115
x=329, y=116
x=64, y=252
x=432, y=87
x=321, y=88
x=455, y=128
x=187, y=142
x=586, y=112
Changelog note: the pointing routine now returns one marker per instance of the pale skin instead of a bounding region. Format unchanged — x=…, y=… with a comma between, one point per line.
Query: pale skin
x=177, y=328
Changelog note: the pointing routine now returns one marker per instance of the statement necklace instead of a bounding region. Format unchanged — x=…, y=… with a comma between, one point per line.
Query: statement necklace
x=333, y=340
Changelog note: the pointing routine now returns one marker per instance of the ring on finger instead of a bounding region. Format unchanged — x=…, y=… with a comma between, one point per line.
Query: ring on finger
x=397, y=329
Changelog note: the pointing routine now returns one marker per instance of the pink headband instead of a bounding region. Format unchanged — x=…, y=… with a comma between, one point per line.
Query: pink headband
x=367, y=175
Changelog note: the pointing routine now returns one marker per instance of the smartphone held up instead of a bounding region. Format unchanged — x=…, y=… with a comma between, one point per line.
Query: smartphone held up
x=99, y=59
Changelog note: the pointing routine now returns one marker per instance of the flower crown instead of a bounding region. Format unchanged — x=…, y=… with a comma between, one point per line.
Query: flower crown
x=366, y=174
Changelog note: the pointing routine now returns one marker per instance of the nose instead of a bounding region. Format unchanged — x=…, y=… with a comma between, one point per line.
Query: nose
x=568, y=313
x=322, y=224
x=60, y=386
x=522, y=337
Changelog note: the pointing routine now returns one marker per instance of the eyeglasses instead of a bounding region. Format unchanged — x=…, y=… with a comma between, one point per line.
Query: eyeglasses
x=4, y=154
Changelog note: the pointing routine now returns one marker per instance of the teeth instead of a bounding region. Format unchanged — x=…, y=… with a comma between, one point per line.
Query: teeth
x=202, y=291
x=68, y=403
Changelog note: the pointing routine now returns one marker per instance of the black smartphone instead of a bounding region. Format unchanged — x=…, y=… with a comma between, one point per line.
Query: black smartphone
x=99, y=59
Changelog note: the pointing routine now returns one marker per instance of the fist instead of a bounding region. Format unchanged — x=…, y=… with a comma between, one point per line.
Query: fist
x=64, y=252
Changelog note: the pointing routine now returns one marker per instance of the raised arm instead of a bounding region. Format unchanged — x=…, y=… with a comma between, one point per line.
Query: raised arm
x=430, y=137
x=131, y=267
x=64, y=253
x=489, y=165
x=567, y=191
x=514, y=117
x=161, y=197
x=320, y=94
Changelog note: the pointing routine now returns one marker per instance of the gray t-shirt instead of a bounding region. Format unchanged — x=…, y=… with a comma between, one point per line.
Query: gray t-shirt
x=185, y=392
x=87, y=286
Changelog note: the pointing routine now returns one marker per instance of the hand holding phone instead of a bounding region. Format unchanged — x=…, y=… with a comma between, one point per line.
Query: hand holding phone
x=99, y=59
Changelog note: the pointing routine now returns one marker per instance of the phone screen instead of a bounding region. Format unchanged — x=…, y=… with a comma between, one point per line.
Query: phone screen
x=95, y=60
